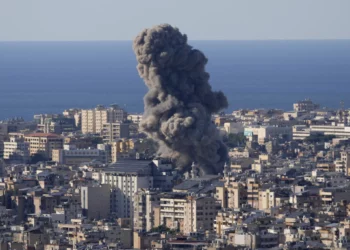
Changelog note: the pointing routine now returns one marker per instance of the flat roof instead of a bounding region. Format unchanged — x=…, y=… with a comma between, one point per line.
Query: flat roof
x=130, y=167
x=42, y=135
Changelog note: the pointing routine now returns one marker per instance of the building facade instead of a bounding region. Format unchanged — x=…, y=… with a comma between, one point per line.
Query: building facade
x=70, y=155
x=43, y=143
x=92, y=120
x=16, y=150
x=114, y=131
x=125, y=178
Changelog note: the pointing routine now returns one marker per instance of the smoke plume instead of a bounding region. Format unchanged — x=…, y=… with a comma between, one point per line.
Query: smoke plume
x=180, y=101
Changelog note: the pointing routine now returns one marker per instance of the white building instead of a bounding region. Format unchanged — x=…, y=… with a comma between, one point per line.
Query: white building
x=92, y=120
x=187, y=213
x=135, y=118
x=338, y=130
x=264, y=133
x=16, y=149
x=125, y=178
x=71, y=155
x=300, y=132
x=233, y=127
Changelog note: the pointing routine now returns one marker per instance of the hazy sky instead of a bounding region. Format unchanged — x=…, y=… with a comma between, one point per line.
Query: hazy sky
x=200, y=19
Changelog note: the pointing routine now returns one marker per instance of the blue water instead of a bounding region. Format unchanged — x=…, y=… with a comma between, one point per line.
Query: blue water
x=48, y=77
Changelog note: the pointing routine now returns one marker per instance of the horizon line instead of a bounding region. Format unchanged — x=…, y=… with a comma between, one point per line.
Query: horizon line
x=204, y=40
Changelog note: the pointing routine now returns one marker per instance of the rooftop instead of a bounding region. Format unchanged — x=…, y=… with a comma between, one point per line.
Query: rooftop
x=130, y=167
x=42, y=135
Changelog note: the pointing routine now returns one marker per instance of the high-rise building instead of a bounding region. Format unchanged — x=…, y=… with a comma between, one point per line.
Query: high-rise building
x=125, y=178
x=92, y=120
x=146, y=210
x=345, y=159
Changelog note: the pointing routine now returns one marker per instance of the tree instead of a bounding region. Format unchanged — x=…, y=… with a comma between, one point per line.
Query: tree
x=37, y=158
x=235, y=140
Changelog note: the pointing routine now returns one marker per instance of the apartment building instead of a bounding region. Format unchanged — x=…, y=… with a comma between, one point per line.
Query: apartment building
x=43, y=143
x=125, y=178
x=200, y=213
x=114, y=131
x=92, y=120
x=95, y=201
x=135, y=118
x=225, y=219
x=121, y=149
x=16, y=149
x=300, y=132
x=187, y=213
x=172, y=210
x=233, y=127
x=55, y=123
x=232, y=195
x=146, y=210
x=253, y=192
x=269, y=198
x=71, y=155
x=261, y=134
x=344, y=163
x=338, y=130
x=305, y=105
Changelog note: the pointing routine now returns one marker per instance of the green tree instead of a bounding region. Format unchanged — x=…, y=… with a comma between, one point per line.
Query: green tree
x=235, y=140
x=37, y=158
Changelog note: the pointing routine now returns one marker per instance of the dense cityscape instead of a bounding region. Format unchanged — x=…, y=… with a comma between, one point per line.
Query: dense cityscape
x=89, y=179
x=170, y=125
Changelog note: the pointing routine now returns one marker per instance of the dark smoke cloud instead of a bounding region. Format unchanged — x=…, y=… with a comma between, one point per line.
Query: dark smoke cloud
x=180, y=101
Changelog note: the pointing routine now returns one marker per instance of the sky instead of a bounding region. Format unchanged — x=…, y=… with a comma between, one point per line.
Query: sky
x=76, y=20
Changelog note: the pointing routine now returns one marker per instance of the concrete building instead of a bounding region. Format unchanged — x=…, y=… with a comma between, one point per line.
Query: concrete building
x=92, y=120
x=114, y=131
x=269, y=199
x=16, y=149
x=232, y=195
x=55, y=123
x=95, y=201
x=135, y=118
x=70, y=155
x=43, y=143
x=345, y=162
x=338, y=130
x=306, y=105
x=261, y=134
x=172, y=210
x=233, y=127
x=120, y=149
x=187, y=213
x=300, y=132
x=200, y=213
x=125, y=178
x=253, y=192
x=146, y=210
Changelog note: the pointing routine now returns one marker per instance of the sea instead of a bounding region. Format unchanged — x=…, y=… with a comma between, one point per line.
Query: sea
x=48, y=77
